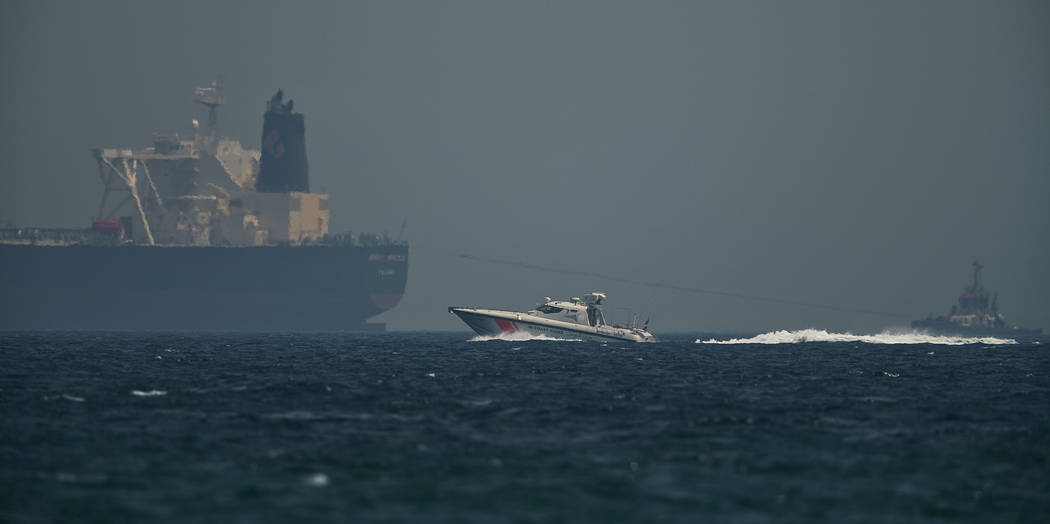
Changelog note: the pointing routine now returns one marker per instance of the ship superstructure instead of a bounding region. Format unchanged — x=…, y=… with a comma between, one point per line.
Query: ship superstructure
x=203, y=233
x=211, y=191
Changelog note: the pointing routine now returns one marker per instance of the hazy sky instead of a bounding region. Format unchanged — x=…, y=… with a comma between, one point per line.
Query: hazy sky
x=857, y=154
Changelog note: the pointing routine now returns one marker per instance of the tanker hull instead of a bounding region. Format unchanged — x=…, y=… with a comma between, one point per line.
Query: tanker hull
x=148, y=288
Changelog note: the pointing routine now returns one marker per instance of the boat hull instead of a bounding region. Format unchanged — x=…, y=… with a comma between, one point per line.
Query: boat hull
x=500, y=323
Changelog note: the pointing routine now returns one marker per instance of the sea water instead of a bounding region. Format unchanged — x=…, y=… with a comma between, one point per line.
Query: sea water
x=447, y=427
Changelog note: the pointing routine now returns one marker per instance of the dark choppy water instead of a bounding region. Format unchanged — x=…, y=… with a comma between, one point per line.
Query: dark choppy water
x=431, y=427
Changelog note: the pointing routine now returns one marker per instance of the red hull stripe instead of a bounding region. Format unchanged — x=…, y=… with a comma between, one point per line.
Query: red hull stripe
x=506, y=326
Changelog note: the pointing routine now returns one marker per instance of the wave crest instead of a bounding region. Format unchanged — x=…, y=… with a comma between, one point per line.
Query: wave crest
x=885, y=337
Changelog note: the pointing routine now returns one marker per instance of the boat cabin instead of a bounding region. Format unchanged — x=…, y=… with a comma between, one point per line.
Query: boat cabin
x=586, y=311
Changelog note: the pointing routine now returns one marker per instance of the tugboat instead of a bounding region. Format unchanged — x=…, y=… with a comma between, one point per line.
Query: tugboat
x=573, y=318
x=974, y=315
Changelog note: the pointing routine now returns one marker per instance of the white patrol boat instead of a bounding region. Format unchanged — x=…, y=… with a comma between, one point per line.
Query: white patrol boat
x=575, y=318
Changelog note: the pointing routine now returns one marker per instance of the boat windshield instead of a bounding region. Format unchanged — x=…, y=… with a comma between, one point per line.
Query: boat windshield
x=547, y=308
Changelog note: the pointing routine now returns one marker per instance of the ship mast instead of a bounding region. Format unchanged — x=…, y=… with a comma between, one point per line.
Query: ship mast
x=211, y=97
x=976, y=276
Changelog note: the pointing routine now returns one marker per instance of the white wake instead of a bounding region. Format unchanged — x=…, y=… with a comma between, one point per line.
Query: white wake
x=886, y=337
x=521, y=336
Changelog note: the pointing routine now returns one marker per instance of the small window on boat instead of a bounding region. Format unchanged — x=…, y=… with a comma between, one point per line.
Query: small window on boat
x=548, y=309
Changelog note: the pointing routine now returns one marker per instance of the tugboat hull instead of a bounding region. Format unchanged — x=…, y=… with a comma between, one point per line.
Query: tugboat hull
x=944, y=327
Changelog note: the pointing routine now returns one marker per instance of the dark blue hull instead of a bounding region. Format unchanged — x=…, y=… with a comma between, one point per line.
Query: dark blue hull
x=133, y=287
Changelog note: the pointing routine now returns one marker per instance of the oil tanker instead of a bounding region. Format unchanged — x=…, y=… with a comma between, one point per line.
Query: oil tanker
x=203, y=234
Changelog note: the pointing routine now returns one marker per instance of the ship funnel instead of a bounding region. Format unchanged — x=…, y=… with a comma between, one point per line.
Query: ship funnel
x=282, y=166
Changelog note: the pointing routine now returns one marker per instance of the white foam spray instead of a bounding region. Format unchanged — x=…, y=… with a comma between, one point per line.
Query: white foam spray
x=150, y=393
x=886, y=337
x=71, y=398
x=521, y=336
